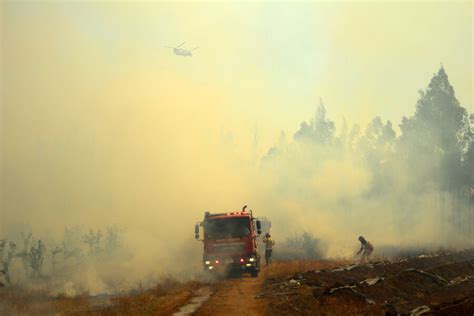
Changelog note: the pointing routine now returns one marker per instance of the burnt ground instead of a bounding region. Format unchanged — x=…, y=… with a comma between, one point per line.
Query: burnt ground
x=428, y=285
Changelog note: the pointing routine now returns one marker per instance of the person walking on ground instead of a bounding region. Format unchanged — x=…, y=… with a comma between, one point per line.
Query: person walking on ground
x=268, y=248
x=366, y=249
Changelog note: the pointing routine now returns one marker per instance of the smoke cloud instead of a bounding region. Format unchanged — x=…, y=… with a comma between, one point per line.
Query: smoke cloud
x=102, y=126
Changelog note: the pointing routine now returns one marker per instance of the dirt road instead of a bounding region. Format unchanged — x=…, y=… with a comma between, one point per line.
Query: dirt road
x=236, y=297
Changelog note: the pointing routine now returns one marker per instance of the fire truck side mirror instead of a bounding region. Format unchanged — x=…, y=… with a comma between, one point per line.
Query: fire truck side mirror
x=196, y=231
x=259, y=227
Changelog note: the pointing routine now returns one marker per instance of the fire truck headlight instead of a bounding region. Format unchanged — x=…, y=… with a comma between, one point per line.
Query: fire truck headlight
x=252, y=259
x=207, y=262
x=211, y=267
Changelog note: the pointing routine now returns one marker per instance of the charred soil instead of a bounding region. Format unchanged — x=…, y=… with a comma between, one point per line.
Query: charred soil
x=436, y=285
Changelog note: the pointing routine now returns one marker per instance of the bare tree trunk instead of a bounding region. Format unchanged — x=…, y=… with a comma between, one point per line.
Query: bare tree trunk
x=471, y=209
x=441, y=208
x=453, y=205
x=459, y=209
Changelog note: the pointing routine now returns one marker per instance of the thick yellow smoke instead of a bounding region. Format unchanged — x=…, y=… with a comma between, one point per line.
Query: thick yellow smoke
x=102, y=125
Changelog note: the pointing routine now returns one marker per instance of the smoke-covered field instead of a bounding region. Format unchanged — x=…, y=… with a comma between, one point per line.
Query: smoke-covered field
x=325, y=190
x=112, y=147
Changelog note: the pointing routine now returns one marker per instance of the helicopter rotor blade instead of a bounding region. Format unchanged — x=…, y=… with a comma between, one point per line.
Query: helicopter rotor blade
x=180, y=44
x=195, y=48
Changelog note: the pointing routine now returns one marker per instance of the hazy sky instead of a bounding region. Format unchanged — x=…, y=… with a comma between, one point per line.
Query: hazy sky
x=99, y=115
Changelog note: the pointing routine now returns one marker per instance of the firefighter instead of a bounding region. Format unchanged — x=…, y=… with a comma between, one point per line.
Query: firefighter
x=269, y=242
x=366, y=249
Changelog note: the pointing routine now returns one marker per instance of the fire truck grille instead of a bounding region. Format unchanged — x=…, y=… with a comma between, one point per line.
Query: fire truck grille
x=229, y=248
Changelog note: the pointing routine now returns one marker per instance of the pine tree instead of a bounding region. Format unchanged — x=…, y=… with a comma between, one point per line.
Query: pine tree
x=468, y=171
x=433, y=133
x=432, y=141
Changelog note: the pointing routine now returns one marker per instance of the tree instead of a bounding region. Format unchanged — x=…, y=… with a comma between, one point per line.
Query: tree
x=377, y=147
x=468, y=171
x=320, y=130
x=430, y=140
x=434, y=139
x=32, y=255
x=36, y=257
x=92, y=239
x=378, y=136
x=113, y=239
x=5, y=259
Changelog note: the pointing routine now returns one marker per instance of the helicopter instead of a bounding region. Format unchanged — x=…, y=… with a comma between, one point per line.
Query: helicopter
x=181, y=51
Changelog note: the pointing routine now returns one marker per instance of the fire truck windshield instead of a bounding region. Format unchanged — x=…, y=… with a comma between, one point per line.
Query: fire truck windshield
x=227, y=228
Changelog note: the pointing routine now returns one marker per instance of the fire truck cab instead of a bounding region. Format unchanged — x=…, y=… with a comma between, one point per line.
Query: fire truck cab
x=230, y=242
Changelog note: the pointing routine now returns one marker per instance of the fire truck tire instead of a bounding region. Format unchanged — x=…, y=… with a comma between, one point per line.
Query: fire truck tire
x=254, y=273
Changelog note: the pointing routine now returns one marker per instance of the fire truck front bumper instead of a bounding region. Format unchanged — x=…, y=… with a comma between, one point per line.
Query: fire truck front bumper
x=240, y=263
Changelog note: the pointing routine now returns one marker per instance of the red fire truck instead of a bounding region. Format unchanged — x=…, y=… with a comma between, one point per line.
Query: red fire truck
x=230, y=241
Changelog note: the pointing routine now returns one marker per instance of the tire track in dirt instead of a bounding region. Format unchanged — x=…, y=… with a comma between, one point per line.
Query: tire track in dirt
x=236, y=297
x=201, y=296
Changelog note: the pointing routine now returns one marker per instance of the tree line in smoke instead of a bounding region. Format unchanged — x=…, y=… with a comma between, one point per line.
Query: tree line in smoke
x=76, y=245
x=434, y=151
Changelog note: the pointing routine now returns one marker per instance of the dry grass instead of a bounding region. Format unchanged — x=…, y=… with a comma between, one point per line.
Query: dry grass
x=158, y=301
x=163, y=299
